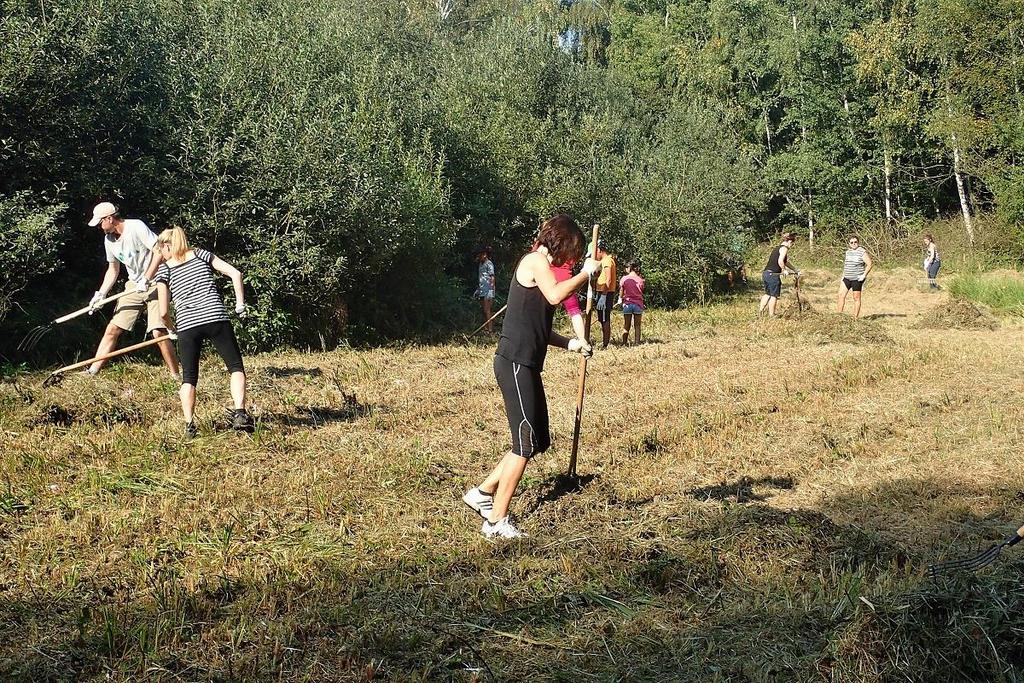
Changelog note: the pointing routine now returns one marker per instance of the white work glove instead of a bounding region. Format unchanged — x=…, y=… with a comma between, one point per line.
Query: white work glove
x=591, y=266
x=581, y=347
x=863, y=277
x=96, y=298
x=240, y=309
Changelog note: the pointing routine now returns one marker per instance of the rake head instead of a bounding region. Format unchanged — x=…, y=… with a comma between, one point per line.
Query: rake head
x=54, y=379
x=33, y=337
x=972, y=564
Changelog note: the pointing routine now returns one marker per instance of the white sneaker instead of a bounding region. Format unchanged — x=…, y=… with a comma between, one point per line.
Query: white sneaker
x=501, y=529
x=479, y=501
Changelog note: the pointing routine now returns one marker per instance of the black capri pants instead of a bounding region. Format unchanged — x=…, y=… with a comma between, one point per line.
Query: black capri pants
x=190, y=347
x=525, y=406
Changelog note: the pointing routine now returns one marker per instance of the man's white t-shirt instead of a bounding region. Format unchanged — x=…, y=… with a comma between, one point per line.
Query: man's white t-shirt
x=134, y=248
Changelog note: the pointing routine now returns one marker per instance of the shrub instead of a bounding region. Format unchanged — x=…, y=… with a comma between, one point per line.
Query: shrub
x=31, y=239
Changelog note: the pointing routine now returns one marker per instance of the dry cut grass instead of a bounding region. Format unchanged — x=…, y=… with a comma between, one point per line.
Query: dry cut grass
x=758, y=502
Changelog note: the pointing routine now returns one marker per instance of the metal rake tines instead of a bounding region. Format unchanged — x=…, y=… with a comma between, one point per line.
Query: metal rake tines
x=980, y=560
x=33, y=337
x=971, y=564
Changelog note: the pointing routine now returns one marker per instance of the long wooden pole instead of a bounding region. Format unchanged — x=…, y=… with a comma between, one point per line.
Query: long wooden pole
x=796, y=289
x=473, y=333
x=101, y=302
x=112, y=354
x=582, y=383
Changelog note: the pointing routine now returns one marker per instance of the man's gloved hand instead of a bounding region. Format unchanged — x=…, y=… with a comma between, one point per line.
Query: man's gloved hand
x=591, y=266
x=581, y=347
x=240, y=309
x=96, y=298
x=142, y=284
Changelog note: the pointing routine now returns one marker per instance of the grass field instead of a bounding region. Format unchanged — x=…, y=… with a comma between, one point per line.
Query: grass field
x=758, y=502
x=1000, y=291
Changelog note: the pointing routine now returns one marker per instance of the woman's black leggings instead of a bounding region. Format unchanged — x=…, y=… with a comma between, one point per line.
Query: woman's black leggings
x=190, y=347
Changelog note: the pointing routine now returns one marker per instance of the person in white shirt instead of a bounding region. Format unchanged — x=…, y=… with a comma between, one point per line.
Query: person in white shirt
x=129, y=242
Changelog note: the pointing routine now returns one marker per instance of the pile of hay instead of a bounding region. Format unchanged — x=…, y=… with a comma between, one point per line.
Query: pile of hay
x=795, y=312
x=957, y=314
x=833, y=328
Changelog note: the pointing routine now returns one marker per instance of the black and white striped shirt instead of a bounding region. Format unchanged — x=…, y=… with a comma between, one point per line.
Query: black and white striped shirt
x=195, y=296
x=853, y=264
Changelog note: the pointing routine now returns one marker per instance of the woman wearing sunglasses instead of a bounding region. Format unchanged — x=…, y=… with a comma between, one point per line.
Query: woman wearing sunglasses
x=856, y=266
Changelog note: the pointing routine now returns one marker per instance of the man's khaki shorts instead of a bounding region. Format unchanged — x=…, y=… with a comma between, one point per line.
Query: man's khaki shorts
x=129, y=307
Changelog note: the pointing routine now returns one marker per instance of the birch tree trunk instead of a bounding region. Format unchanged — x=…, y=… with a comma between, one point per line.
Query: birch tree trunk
x=810, y=221
x=961, y=188
x=887, y=172
x=849, y=119
x=444, y=10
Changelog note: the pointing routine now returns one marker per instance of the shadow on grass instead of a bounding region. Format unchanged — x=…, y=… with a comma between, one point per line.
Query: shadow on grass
x=558, y=486
x=881, y=316
x=279, y=372
x=742, y=490
x=315, y=417
x=742, y=593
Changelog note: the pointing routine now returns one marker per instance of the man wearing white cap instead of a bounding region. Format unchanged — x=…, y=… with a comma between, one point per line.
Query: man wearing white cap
x=129, y=242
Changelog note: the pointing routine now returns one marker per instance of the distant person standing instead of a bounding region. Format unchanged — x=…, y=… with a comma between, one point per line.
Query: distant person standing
x=604, y=291
x=932, y=262
x=485, y=285
x=631, y=293
x=129, y=242
x=777, y=266
x=856, y=267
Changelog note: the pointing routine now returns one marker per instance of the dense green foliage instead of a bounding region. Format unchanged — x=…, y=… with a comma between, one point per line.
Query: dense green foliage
x=348, y=155
x=29, y=236
x=999, y=291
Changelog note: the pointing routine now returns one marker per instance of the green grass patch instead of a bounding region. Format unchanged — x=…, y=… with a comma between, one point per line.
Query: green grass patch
x=1003, y=293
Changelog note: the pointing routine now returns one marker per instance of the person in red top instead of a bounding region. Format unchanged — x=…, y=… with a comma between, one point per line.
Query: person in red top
x=631, y=296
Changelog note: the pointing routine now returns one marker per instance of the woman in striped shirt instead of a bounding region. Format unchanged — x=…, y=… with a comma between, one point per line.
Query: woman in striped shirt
x=856, y=266
x=186, y=277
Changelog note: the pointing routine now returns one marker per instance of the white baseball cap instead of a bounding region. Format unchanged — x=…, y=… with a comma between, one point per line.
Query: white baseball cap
x=101, y=211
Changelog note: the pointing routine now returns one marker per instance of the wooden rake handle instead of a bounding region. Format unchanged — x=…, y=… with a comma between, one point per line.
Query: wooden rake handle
x=99, y=304
x=113, y=354
x=473, y=333
x=581, y=385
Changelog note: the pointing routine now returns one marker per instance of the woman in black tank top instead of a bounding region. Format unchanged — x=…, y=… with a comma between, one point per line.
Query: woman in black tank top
x=526, y=334
x=778, y=264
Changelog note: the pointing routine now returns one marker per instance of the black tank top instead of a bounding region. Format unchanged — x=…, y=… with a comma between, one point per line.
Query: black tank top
x=773, y=261
x=527, y=325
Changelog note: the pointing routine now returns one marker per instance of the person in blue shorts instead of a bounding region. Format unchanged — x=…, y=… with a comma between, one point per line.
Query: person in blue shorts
x=778, y=265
